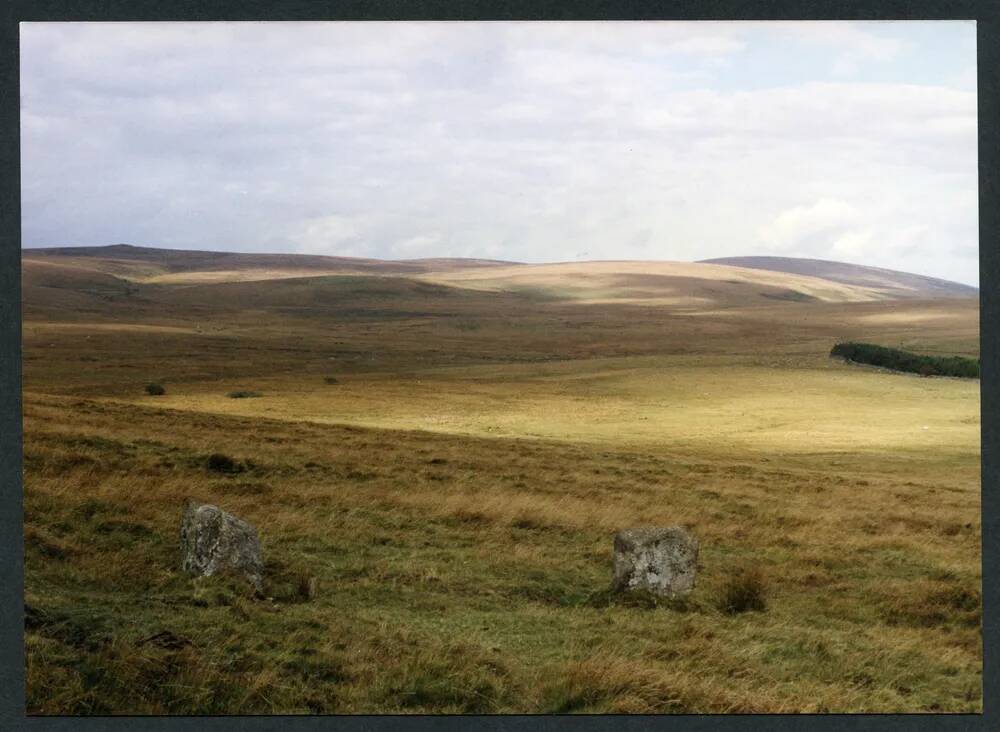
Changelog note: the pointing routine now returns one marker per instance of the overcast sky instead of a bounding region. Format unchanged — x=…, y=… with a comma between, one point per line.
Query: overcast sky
x=522, y=141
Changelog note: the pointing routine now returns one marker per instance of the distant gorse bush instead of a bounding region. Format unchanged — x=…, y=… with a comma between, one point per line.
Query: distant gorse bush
x=892, y=358
x=155, y=389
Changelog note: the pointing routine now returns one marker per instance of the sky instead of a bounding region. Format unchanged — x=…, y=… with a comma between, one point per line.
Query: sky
x=526, y=141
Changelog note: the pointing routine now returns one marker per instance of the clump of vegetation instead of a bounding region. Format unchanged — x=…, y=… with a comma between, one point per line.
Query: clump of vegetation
x=925, y=604
x=291, y=585
x=331, y=380
x=221, y=463
x=897, y=360
x=242, y=394
x=155, y=389
x=613, y=685
x=744, y=591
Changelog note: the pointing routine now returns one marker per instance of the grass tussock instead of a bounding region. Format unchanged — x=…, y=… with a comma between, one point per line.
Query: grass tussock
x=293, y=583
x=745, y=590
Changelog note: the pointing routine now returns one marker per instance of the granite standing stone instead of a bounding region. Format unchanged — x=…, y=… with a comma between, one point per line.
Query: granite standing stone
x=661, y=560
x=213, y=541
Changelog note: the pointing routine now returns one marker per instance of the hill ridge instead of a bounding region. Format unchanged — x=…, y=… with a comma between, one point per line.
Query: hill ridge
x=880, y=278
x=776, y=278
x=132, y=251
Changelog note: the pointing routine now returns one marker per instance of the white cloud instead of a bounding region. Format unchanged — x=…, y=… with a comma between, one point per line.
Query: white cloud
x=516, y=141
x=795, y=227
x=415, y=247
x=328, y=234
x=852, y=45
x=852, y=245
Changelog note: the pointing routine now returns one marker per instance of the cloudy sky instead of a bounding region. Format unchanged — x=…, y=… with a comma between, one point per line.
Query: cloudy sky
x=522, y=141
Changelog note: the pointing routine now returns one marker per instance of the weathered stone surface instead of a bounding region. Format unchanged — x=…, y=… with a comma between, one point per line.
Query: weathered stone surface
x=214, y=541
x=661, y=560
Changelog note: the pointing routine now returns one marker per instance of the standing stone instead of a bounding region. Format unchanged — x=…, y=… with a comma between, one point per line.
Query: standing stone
x=213, y=541
x=657, y=559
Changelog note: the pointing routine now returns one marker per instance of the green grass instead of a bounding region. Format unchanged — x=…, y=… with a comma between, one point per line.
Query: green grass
x=432, y=596
x=437, y=529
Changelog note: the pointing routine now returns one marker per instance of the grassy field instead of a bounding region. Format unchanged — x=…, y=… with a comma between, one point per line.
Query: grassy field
x=454, y=492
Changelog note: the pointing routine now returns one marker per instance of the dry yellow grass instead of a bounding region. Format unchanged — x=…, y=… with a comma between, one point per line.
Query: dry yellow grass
x=47, y=327
x=665, y=283
x=659, y=403
x=237, y=275
x=454, y=494
x=493, y=543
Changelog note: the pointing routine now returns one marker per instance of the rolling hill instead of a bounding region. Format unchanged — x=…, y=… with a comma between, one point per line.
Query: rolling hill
x=149, y=264
x=681, y=285
x=710, y=284
x=895, y=285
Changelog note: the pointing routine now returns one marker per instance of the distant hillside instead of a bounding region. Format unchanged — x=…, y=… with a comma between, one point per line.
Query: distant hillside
x=65, y=275
x=178, y=265
x=890, y=282
x=679, y=285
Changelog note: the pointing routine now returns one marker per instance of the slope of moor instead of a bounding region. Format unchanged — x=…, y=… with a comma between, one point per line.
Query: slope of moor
x=448, y=447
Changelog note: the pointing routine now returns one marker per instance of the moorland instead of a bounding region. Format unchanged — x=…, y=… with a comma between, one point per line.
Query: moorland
x=437, y=454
